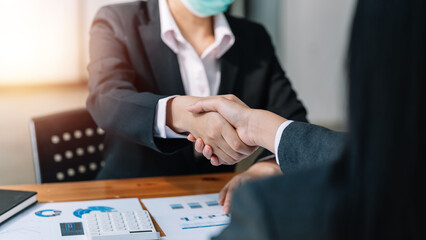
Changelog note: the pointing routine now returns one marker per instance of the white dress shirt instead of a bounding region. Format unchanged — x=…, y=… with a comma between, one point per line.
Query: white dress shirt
x=200, y=74
x=278, y=135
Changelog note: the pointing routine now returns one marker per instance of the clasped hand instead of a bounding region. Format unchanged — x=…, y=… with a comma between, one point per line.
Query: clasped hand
x=234, y=111
x=227, y=145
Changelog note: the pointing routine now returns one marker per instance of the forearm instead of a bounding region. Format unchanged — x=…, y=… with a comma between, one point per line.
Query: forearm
x=126, y=113
x=122, y=112
x=263, y=126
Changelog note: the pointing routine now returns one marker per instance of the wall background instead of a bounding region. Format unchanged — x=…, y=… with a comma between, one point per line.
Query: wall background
x=310, y=38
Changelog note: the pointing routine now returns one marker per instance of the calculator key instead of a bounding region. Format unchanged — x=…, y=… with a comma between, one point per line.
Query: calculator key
x=119, y=225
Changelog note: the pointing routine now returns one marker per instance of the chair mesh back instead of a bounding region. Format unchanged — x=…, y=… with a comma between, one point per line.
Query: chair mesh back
x=66, y=147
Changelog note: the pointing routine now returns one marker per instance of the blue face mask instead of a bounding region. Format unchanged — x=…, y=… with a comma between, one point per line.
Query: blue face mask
x=207, y=8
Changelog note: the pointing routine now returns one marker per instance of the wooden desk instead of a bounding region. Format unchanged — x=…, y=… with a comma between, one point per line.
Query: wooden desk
x=128, y=188
x=151, y=187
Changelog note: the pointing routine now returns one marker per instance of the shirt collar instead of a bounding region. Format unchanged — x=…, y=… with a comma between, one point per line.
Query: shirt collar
x=170, y=32
x=171, y=35
x=224, y=38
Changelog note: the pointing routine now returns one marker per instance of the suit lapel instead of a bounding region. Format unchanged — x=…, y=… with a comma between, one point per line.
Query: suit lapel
x=163, y=60
x=230, y=63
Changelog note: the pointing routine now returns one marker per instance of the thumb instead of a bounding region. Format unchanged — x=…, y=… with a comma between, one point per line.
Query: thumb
x=229, y=110
x=202, y=106
x=195, y=108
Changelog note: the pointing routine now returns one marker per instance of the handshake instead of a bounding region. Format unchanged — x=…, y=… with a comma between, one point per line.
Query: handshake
x=224, y=129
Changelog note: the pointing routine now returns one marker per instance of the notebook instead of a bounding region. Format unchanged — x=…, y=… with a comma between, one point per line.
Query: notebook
x=12, y=202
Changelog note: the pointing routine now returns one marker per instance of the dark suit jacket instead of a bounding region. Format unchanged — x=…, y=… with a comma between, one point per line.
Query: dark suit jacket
x=131, y=69
x=308, y=202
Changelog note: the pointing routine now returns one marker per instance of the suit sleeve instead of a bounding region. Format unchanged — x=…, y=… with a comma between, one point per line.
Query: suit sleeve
x=249, y=216
x=304, y=146
x=302, y=205
x=114, y=101
x=282, y=99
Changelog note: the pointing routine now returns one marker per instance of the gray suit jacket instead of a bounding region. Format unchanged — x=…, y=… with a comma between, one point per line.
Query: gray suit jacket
x=308, y=202
x=131, y=69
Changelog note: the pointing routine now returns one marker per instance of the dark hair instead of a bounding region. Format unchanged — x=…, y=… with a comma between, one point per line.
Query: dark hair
x=387, y=73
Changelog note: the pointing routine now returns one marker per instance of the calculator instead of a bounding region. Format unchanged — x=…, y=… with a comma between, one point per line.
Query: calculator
x=130, y=225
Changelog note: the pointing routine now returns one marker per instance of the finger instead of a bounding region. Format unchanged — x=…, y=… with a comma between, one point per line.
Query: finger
x=228, y=199
x=223, y=162
x=223, y=191
x=199, y=145
x=208, y=151
x=191, y=138
x=229, y=110
x=219, y=161
x=214, y=161
x=206, y=105
x=231, y=137
x=232, y=144
x=222, y=154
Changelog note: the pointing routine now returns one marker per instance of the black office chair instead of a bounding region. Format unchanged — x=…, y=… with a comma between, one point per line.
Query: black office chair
x=66, y=147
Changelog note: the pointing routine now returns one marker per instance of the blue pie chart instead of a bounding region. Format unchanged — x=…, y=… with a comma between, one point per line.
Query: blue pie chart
x=79, y=212
x=48, y=213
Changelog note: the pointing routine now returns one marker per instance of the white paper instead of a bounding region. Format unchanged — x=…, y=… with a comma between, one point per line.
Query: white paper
x=42, y=221
x=197, y=217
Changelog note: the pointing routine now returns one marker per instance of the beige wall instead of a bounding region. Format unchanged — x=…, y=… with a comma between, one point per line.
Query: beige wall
x=314, y=37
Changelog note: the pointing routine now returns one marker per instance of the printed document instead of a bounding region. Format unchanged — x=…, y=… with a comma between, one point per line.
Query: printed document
x=197, y=217
x=51, y=221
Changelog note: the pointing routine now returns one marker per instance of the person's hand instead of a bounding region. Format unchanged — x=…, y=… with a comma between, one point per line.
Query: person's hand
x=232, y=109
x=254, y=127
x=259, y=170
x=211, y=127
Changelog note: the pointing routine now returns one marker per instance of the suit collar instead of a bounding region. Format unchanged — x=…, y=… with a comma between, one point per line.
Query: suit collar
x=230, y=62
x=163, y=60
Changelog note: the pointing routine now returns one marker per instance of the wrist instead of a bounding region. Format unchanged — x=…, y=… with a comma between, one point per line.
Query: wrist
x=263, y=126
x=176, y=116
